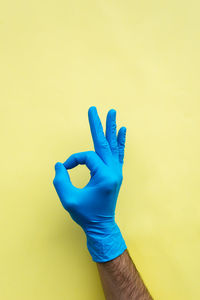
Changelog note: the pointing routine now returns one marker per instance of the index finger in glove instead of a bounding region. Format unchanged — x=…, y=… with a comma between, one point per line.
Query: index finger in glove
x=88, y=158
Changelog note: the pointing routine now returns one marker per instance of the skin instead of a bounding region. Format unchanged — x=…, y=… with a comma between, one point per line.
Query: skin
x=119, y=277
x=121, y=280
x=96, y=202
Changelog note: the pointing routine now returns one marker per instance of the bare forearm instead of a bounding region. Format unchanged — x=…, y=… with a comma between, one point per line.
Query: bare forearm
x=121, y=280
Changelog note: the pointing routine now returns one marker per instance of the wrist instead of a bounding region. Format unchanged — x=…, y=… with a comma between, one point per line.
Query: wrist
x=105, y=242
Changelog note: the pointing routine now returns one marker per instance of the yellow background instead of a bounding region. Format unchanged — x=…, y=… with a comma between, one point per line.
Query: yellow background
x=57, y=58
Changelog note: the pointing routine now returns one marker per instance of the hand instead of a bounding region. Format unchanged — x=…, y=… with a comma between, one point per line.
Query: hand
x=93, y=207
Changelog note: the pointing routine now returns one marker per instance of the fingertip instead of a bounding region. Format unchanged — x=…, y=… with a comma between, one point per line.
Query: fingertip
x=71, y=162
x=92, y=109
x=121, y=137
x=111, y=116
x=112, y=111
x=58, y=165
x=123, y=130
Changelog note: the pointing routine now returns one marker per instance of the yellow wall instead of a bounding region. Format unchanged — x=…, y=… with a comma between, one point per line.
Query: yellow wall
x=57, y=58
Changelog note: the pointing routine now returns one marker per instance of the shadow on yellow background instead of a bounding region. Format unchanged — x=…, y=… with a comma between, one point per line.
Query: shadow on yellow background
x=58, y=58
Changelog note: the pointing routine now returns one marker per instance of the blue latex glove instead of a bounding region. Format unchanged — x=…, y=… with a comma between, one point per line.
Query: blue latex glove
x=93, y=207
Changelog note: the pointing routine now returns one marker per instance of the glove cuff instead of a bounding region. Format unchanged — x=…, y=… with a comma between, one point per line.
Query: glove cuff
x=106, y=246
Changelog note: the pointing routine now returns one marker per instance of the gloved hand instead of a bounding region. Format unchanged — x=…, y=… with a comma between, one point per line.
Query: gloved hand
x=93, y=207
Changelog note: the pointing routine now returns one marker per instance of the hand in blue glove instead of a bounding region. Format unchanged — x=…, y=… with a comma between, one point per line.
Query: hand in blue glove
x=93, y=207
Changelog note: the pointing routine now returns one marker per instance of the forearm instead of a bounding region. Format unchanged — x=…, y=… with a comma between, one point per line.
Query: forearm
x=121, y=280
x=93, y=207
